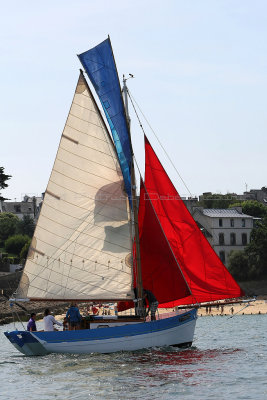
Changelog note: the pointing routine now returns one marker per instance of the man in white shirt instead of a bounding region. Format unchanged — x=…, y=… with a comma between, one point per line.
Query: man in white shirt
x=50, y=321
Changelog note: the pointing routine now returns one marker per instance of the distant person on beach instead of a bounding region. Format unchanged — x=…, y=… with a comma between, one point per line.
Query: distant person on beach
x=31, y=326
x=50, y=321
x=74, y=317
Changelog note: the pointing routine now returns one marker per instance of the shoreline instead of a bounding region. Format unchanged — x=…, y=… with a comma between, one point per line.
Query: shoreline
x=258, y=307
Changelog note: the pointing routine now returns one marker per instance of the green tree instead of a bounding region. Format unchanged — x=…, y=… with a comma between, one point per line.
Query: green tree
x=26, y=226
x=252, y=207
x=252, y=263
x=238, y=265
x=8, y=225
x=209, y=200
x=3, y=184
x=257, y=249
x=24, y=251
x=14, y=244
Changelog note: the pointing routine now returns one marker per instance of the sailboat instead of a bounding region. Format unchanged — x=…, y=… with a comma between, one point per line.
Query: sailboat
x=94, y=243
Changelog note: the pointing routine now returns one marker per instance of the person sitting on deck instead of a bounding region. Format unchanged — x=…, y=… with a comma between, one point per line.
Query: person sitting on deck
x=50, y=321
x=152, y=303
x=74, y=317
x=31, y=326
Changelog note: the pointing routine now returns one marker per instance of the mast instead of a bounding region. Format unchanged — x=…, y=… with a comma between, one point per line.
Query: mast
x=134, y=211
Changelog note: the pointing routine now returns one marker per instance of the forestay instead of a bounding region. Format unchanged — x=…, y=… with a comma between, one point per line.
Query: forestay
x=81, y=247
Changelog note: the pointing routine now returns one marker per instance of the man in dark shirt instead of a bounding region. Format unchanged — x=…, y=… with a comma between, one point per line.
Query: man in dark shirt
x=152, y=303
x=31, y=326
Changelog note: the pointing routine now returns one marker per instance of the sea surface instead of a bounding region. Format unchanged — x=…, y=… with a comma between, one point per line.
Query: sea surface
x=228, y=361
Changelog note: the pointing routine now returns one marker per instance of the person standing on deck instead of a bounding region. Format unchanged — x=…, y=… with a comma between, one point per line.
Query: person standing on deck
x=31, y=326
x=74, y=317
x=50, y=321
x=152, y=303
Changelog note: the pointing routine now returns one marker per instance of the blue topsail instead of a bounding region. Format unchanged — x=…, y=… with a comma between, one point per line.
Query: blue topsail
x=100, y=66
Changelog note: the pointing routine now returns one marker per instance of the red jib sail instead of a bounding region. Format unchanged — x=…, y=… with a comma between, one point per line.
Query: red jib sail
x=160, y=272
x=205, y=274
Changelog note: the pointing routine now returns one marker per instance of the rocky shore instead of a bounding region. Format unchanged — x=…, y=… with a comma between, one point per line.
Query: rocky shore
x=22, y=311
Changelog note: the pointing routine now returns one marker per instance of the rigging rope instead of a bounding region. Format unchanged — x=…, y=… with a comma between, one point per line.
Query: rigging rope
x=231, y=316
x=170, y=160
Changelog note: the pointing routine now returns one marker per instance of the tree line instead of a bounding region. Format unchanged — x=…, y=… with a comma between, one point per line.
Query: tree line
x=15, y=234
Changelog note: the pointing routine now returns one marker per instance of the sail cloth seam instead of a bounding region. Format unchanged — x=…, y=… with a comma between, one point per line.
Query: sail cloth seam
x=80, y=232
x=79, y=292
x=85, y=184
x=82, y=258
x=79, y=219
x=85, y=133
x=92, y=148
x=86, y=108
x=83, y=170
x=79, y=280
x=88, y=197
x=84, y=120
x=98, y=226
x=132, y=99
x=52, y=260
x=89, y=213
x=88, y=123
x=68, y=249
x=60, y=142
x=88, y=159
x=83, y=245
x=83, y=270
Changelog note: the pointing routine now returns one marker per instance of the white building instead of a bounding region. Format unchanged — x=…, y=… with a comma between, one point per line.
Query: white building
x=225, y=229
x=29, y=206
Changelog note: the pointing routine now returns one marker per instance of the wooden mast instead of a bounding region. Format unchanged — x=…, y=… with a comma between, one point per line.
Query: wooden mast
x=139, y=282
x=134, y=211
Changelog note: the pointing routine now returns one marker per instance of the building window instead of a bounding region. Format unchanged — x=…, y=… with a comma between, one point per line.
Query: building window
x=244, y=239
x=220, y=222
x=232, y=239
x=17, y=209
x=222, y=256
x=243, y=222
x=232, y=222
x=221, y=238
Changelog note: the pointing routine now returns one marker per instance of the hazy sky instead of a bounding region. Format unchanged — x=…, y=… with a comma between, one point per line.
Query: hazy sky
x=200, y=72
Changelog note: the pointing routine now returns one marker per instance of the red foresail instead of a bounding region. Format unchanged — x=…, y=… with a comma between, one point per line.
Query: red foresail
x=205, y=274
x=160, y=271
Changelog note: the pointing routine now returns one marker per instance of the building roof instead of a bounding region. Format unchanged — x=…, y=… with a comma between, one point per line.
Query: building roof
x=12, y=207
x=224, y=213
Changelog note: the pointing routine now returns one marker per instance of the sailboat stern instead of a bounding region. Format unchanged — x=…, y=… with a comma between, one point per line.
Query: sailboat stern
x=26, y=343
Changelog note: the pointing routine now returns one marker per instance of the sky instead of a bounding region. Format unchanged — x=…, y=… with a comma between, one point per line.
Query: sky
x=200, y=78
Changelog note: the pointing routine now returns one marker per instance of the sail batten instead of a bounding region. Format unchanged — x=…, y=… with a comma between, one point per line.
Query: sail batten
x=81, y=247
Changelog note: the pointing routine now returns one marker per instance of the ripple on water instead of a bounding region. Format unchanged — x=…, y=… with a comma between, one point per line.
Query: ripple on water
x=227, y=361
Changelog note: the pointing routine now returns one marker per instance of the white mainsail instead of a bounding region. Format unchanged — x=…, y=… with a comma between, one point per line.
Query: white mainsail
x=81, y=249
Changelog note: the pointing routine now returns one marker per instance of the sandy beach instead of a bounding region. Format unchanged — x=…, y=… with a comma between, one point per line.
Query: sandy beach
x=59, y=309
x=254, y=307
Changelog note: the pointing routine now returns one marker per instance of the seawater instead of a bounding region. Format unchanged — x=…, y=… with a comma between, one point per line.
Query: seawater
x=228, y=361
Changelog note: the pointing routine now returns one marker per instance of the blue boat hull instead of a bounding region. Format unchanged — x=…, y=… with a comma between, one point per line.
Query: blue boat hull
x=177, y=331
